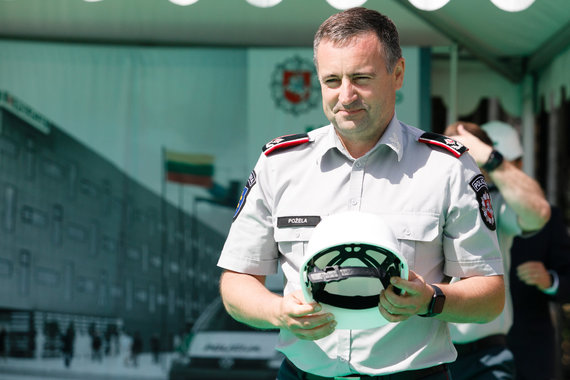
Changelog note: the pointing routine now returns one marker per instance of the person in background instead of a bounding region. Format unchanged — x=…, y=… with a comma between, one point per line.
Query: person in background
x=96, y=346
x=68, y=344
x=3, y=343
x=520, y=209
x=136, y=348
x=366, y=160
x=539, y=275
x=155, y=348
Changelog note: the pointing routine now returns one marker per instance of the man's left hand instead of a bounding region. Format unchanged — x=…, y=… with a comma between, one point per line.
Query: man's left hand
x=414, y=298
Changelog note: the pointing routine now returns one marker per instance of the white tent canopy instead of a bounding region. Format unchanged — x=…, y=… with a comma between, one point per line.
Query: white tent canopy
x=511, y=44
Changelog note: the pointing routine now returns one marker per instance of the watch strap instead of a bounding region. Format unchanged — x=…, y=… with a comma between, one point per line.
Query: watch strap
x=495, y=159
x=435, y=306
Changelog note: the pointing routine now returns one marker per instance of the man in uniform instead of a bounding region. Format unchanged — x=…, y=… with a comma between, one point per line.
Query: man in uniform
x=430, y=193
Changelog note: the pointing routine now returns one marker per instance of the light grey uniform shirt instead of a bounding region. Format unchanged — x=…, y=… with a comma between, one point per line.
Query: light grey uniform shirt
x=421, y=190
x=507, y=228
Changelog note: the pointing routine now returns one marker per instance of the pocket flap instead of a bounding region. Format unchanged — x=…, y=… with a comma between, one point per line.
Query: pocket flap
x=420, y=227
x=292, y=234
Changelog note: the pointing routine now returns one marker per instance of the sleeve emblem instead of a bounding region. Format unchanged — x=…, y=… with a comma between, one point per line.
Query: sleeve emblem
x=245, y=192
x=479, y=185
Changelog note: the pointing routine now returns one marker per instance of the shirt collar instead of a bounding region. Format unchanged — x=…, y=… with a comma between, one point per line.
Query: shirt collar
x=392, y=137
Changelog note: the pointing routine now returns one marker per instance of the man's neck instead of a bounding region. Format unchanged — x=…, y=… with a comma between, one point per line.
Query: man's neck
x=359, y=146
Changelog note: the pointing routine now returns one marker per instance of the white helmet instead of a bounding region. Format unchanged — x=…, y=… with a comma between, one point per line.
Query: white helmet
x=351, y=257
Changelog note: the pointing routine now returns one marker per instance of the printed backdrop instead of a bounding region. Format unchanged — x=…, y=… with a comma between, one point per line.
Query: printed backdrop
x=94, y=139
x=127, y=103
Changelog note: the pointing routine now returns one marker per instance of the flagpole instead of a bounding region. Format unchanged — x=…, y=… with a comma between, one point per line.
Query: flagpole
x=163, y=231
x=163, y=171
x=193, y=258
x=181, y=280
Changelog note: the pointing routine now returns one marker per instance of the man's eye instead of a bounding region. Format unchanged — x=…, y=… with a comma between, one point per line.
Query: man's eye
x=332, y=82
x=361, y=79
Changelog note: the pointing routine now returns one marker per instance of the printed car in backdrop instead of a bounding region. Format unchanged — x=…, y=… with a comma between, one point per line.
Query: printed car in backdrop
x=221, y=348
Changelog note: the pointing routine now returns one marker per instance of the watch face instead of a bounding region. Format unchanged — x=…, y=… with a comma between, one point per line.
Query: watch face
x=438, y=304
x=495, y=159
x=438, y=301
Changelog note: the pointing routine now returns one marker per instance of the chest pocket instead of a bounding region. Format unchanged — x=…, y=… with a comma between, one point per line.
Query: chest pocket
x=292, y=244
x=292, y=241
x=417, y=235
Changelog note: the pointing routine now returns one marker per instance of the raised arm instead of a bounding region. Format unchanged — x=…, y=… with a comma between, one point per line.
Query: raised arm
x=521, y=192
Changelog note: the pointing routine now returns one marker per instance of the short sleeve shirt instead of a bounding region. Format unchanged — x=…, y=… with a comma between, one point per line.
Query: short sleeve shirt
x=507, y=228
x=422, y=191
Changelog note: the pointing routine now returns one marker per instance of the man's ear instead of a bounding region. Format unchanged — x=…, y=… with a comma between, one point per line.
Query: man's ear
x=398, y=73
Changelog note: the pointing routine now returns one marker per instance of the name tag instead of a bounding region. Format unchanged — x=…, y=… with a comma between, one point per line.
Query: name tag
x=298, y=221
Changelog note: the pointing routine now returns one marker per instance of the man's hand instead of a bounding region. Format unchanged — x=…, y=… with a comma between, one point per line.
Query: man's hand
x=303, y=319
x=414, y=300
x=535, y=274
x=477, y=148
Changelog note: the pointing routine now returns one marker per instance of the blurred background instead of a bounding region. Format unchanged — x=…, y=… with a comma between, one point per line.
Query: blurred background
x=128, y=129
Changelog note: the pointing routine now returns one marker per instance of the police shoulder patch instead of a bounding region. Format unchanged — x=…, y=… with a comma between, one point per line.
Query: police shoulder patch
x=251, y=181
x=455, y=147
x=479, y=185
x=285, y=142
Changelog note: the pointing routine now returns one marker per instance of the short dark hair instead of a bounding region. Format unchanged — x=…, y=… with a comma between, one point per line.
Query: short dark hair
x=341, y=27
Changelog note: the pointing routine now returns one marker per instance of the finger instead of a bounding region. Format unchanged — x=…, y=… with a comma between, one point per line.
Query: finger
x=524, y=275
x=314, y=327
x=403, y=286
x=309, y=322
x=391, y=316
x=531, y=265
x=304, y=310
x=397, y=306
x=531, y=273
x=315, y=334
x=526, y=269
x=296, y=306
x=530, y=277
x=529, y=281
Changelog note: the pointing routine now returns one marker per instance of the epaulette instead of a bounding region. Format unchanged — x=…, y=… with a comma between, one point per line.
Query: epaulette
x=286, y=141
x=455, y=147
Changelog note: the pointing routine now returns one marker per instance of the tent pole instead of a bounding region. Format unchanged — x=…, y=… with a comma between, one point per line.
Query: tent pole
x=453, y=62
x=528, y=131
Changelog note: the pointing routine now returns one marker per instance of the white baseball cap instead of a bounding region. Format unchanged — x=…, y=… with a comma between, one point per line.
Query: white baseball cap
x=505, y=139
x=351, y=257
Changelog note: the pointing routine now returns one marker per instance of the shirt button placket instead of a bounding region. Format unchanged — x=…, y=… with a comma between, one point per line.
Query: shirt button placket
x=356, y=181
x=343, y=353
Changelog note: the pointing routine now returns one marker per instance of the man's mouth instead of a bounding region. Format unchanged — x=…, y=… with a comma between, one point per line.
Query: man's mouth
x=349, y=112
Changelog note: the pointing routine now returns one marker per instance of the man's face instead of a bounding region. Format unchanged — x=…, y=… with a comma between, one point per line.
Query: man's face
x=359, y=94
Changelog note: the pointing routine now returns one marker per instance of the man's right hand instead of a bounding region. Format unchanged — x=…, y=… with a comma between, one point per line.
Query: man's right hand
x=304, y=319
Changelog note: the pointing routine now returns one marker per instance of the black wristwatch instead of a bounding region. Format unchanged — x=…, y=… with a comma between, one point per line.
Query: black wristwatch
x=495, y=159
x=435, y=306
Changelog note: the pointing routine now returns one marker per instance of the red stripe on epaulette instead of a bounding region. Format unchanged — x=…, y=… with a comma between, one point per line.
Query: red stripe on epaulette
x=284, y=142
x=455, y=147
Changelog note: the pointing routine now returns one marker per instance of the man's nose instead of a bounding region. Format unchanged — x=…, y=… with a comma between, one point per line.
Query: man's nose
x=347, y=93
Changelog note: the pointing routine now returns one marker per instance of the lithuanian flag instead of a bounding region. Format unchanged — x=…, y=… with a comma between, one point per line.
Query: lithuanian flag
x=189, y=169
